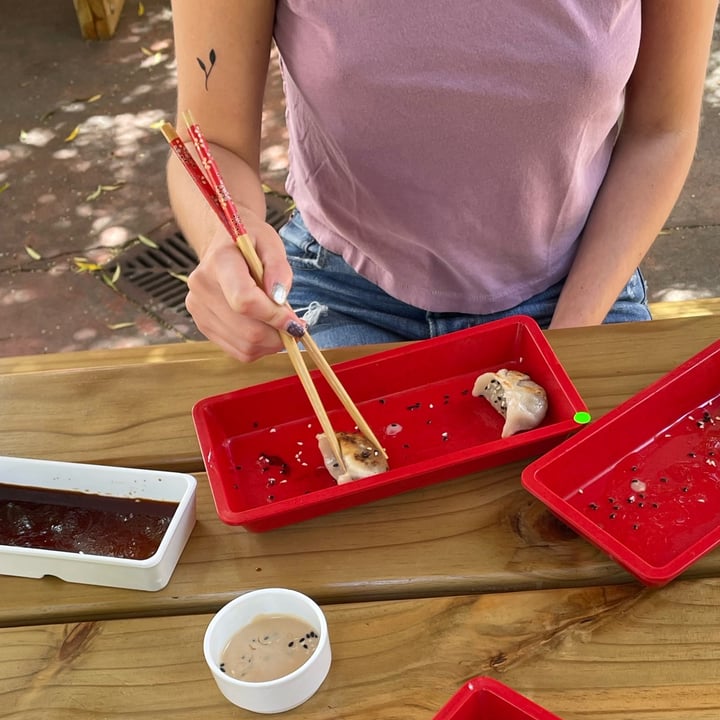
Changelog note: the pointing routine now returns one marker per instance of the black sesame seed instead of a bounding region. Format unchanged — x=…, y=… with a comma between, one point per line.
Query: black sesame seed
x=691, y=454
x=291, y=643
x=593, y=506
x=663, y=479
x=612, y=516
x=685, y=489
x=635, y=527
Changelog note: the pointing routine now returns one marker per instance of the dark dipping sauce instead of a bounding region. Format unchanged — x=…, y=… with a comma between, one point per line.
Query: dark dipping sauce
x=82, y=523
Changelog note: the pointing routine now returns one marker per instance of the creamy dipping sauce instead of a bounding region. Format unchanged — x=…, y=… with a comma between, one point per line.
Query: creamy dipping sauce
x=270, y=647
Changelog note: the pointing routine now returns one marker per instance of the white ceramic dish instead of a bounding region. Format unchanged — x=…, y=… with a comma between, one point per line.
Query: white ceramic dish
x=152, y=573
x=283, y=693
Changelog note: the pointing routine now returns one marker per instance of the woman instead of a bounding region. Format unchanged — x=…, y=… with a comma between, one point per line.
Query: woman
x=451, y=162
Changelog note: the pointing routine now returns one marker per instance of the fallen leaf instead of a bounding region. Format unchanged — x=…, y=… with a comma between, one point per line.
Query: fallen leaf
x=154, y=58
x=85, y=265
x=178, y=276
x=34, y=254
x=96, y=194
x=116, y=274
x=108, y=281
x=47, y=115
x=23, y=136
x=73, y=134
x=141, y=9
x=94, y=98
x=147, y=241
x=147, y=52
x=100, y=189
x=4, y=187
x=121, y=325
x=157, y=124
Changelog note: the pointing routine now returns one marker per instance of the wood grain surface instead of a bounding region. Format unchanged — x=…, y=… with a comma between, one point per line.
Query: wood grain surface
x=479, y=534
x=95, y=407
x=468, y=577
x=608, y=653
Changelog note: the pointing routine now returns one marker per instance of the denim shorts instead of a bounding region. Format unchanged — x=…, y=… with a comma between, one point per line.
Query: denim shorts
x=343, y=308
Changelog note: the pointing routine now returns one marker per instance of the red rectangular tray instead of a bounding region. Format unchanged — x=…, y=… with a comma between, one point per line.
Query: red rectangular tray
x=259, y=443
x=483, y=698
x=643, y=482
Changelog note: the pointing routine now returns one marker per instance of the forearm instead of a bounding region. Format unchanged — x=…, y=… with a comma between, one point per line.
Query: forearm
x=195, y=216
x=651, y=159
x=643, y=183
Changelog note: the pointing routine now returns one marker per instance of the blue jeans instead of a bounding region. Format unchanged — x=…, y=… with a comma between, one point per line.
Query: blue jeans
x=342, y=308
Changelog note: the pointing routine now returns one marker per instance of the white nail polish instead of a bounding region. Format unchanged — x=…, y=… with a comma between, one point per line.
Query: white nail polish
x=279, y=293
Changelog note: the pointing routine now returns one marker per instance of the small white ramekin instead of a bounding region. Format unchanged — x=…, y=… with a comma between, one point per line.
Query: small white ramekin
x=281, y=694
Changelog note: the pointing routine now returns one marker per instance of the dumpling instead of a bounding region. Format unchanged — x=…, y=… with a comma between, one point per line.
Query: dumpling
x=362, y=459
x=520, y=400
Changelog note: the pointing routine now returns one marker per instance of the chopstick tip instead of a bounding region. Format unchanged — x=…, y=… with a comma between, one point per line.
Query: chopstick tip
x=168, y=131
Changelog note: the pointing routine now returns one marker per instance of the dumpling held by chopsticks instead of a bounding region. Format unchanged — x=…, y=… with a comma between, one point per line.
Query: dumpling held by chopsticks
x=361, y=458
x=520, y=400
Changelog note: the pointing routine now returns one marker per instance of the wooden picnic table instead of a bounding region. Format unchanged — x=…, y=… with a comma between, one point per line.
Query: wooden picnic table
x=422, y=591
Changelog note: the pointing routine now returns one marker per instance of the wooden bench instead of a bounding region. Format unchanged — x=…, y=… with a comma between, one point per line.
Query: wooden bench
x=685, y=308
x=98, y=18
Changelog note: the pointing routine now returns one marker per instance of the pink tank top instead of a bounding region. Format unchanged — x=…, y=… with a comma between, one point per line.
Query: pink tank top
x=451, y=151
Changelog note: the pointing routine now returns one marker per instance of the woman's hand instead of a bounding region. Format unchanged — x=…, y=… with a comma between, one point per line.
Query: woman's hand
x=228, y=306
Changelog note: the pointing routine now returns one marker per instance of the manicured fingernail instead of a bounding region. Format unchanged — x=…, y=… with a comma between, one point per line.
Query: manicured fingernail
x=279, y=293
x=295, y=329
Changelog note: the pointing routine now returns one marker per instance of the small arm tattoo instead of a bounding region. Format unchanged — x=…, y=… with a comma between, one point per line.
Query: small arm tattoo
x=212, y=57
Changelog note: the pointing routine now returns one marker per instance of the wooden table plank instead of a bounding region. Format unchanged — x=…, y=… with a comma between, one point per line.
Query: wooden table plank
x=133, y=408
x=122, y=409
x=603, y=653
x=478, y=534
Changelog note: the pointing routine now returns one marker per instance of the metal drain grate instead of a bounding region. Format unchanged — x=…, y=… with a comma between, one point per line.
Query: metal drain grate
x=152, y=277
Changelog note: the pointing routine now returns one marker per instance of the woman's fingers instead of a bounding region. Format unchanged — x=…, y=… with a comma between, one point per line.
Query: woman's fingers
x=230, y=309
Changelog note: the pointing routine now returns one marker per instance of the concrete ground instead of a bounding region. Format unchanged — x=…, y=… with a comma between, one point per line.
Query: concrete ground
x=82, y=180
